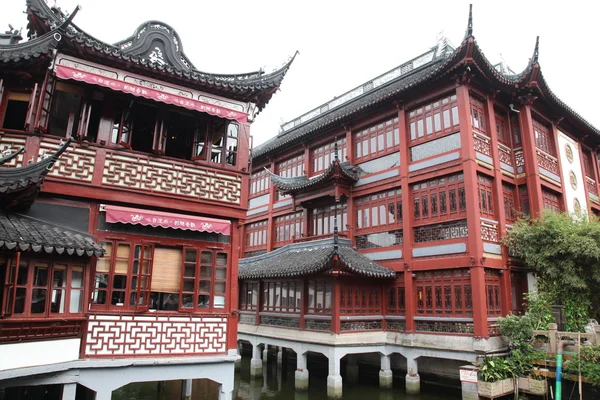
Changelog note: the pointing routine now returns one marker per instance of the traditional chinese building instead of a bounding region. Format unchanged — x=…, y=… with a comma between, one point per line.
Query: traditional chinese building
x=123, y=269
x=422, y=169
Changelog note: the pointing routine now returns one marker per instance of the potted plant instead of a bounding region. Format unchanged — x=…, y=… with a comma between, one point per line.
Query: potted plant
x=495, y=378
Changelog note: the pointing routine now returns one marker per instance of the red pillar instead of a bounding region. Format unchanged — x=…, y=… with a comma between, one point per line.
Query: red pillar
x=532, y=170
x=233, y=291
x=335, y=304
x=474, y=244
x=505, y=286
x=407, y=231
x=565, y=206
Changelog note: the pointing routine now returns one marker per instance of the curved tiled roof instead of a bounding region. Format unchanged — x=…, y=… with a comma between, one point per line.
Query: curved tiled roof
x=30, y=50
x=308, y=258
x=171, y=64
x=299, y=183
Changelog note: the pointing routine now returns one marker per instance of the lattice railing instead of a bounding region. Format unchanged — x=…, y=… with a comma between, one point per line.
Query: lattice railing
x=490, y=232
x=444, y=231
x=457, y=327
x=283, y=322
x=482, y=144
x=396, y=325
x=248, y=318
x=318, y=325
x=493, y=328
x=18, y=331
x=548, y=162
x=346, y=326
x=519, y=161
x=505, y=155
x=591, y=185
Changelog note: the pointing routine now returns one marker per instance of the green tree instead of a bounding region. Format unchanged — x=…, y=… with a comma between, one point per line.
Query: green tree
x=564, y=252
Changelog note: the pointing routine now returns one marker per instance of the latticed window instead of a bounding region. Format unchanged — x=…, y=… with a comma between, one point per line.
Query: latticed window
x=249, y=295
x=440, y=231
x=444, y=293
x=477, y=114
x=323, y=156
x=485, y=195
x=260, y=183
x=256, y=235
x=360, y=299
x=587, y=163
x=288, y=227
x=283, y=296
x=551, y=200
x=492, y=290
x=543, y=137
x=377, y=140
x=397, y=299
x=434, y=119
x=510, y=210
x=502, y=129
x=439, y=199
x=379, y=210
x=319, y=296
x=524, y=200
x=516, y=130
x=323, y=219
x=291, y=167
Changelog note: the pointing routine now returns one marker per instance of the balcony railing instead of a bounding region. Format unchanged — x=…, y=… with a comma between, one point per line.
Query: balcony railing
x=548, y=162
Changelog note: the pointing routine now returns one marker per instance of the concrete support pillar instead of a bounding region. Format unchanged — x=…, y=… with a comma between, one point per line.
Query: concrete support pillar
x=468, y=382
x=413, y=381
x=256, y=369
x=104, y=394
x=238, y=362
x=386, y=378
x=334, y=379
x=352, y=369
x=186, y=389
x=301, y=374
x=265, y=354
x=279, y=356
x=69, y=391
x=226, y=393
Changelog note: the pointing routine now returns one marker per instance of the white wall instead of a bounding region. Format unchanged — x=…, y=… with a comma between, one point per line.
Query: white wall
x=575, y=166
x=30, y=354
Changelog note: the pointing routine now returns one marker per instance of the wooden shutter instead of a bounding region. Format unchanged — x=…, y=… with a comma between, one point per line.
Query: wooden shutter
x=166, y=270
x=44, y=103
x=31, y=107
x=10, y=285
x=160, y=136
x=144, y=277
x=84, y=119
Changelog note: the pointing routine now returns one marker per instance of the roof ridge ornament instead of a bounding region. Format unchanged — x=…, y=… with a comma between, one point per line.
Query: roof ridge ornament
x=469, y=32
x=536, y=50
x=69, y=19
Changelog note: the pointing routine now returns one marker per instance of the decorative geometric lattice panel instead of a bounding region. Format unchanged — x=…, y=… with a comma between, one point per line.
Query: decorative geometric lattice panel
x=171, y=178
x=75, y=163
x=12, y=144
x=121, y=335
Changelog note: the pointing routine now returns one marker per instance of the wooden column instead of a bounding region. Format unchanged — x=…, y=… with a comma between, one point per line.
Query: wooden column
x=407, y=230
x=532, y=170
x=506, y=296
x=303, y=304
x=474, y=244
x=350, y=151
x=307, y=161
x=270, y=227
x=232, y=283
x=260, y=296
x=565, y=206
x=335, y=303
x=588, y=202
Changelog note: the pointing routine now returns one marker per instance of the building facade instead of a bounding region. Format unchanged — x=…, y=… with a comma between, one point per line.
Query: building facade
x=123, y=269
x=421, y=170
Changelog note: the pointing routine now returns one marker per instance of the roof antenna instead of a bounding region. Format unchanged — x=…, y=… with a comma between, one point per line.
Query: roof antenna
x=470, y=24
x=335, y=149
x=536, y=51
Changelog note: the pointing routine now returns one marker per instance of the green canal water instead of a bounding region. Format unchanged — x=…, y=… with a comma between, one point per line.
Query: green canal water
x=278, y=384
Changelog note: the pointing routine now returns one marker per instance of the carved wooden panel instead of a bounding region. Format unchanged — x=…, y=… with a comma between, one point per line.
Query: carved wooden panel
x=153, y=335
x=12, y=144
x=140, y=172
x=76, y=163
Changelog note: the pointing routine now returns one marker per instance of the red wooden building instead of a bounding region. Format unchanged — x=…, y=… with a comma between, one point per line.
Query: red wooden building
x=424, y=168
x=133, y=248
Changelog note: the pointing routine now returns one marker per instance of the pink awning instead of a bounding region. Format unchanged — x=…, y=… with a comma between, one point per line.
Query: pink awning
x=64, y=72
x=136, y=216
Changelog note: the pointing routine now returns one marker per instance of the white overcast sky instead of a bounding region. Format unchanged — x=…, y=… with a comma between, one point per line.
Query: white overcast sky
x=345, y=43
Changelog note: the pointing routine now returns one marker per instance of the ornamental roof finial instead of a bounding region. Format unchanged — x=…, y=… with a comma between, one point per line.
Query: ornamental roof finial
x=536, y=51
x=335, y=148
x=469, y=32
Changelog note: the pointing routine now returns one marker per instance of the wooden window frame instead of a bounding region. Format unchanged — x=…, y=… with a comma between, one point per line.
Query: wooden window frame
x=360, y=299
x=376, y=202
x=289, y=223
x=431, y=293
x=324, y=218
x=315, y=285
x=256, y=235
x=275, y=303
x=544, y=139
x=503, y=130
x=324, y=155
x=511, y=211
x=419, y=117
x=249, y=288
x=551, y=200
x=377, y=140
x=485, y=196
x=397, y=299
x=478, y=114
x=444, y=201
x=260, y=183
x=493, y=293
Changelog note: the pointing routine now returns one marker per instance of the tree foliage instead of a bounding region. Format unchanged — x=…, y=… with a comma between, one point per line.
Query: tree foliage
x=564, y=251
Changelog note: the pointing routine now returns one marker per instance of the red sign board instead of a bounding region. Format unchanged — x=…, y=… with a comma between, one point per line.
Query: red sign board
x=136, y=216
x=64, y=72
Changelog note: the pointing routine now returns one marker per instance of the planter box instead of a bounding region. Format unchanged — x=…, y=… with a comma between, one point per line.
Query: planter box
x=495, y=389
x=532, y=386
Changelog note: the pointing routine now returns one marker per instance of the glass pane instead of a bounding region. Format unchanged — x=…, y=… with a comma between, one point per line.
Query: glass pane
x=118, y=298
x=40, y=275
x=206, y=257
x=103, y=264
x=148, y=252
x=20, y=301
x=232, y=130
x=58, y=301
x=108, y=249
x=99, y=297
x=205, y=271
x=137, y=252
x=188, y=285
x=60, y=276
x=134, y=283
x=190, y=256
x=38, y=301
x=189, y=271
x=146, y=267
x=136, y=265
x=221, y=273
x=76, y=305
x=77, y=277
x=123, y=250
x=220, y=288
x=187, y=301
x=204, y=286
x=121, y=266
x=221, y=259
x=203, y=301
x=219, y=302
x=120, y=282
x=101, y=281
